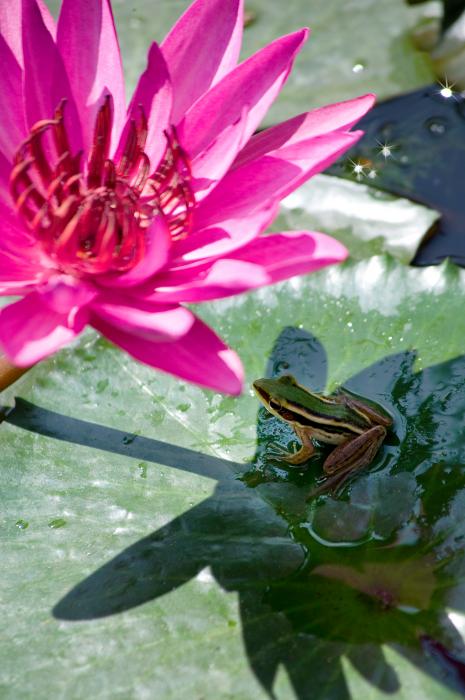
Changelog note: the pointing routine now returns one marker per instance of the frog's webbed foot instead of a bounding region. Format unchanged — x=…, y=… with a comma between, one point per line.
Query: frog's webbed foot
x=302, y=455
x=332, y=484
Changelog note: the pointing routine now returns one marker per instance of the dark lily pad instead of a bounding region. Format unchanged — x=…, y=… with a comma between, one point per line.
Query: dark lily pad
x=426, y=135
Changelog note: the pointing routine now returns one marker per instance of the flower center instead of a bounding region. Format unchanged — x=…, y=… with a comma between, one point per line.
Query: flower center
x=93, y=220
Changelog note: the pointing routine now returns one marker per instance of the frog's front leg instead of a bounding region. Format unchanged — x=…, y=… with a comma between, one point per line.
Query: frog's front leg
x=356, y=453
x=302, y=455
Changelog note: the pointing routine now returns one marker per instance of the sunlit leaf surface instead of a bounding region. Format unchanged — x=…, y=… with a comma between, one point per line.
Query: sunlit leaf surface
x=151, y=548
x=367, y=220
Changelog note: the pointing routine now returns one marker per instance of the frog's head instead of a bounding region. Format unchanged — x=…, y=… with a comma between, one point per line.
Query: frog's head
x=277, y=394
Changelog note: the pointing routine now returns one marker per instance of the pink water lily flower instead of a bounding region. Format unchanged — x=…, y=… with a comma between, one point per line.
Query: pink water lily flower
x=116, y=216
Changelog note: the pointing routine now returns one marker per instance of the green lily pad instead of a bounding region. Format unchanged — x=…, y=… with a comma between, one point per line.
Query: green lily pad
x=151, y=547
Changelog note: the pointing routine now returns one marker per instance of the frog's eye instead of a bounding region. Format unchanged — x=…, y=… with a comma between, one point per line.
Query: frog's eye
x=288, y=379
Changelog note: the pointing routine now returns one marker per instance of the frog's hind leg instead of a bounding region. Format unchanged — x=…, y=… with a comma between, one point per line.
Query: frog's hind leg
x=356, y=453
x=302, y=455
x=347, y=459
x=364, y=409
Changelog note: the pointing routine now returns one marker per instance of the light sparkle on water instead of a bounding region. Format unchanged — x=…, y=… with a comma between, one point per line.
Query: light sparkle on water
x=358, y=169
x=385, y=149
x=446, y=90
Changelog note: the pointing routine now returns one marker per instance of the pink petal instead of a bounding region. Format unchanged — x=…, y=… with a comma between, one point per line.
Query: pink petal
x=14, y=236
x=65, y=294
x=222, y=278
x=45, y=79
x=30, y=330
x=5, y=170
x=202, y=47
x=270, y=178
x=88, y=43
x=254, y=85
x=199, y=356
x=11, y=21
x=210, y=165
x=150, y=321
x=266, y=260
x=20, y=259
x=154, y=94
x=17, y=276
x=12, y=124
x=10, y=27
x=337, y=117
x=284, y=255
x=222, y=238
x=158, y=244
x=47, y=19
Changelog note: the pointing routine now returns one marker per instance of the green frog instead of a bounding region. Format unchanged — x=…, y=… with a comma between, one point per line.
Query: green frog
x=356, y=427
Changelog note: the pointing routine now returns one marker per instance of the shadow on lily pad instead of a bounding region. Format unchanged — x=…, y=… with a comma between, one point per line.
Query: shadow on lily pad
x=339, y=578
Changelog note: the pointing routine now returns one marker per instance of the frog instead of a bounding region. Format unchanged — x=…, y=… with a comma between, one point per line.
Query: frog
x=357, y=427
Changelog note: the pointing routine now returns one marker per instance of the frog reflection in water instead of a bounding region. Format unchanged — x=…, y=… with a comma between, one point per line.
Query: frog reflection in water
x=358, y=427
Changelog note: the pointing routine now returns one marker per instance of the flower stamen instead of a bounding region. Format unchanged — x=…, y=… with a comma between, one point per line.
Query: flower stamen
x=91, y=218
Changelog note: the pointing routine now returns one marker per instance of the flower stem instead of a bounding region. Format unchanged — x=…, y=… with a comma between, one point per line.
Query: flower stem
x=9, y=373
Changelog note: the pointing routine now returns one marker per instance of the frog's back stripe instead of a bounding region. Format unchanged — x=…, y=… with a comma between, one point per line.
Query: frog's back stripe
x=339, y=418
x=326, y=426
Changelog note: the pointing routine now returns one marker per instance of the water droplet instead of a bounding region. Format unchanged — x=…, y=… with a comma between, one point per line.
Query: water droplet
x=183, y=407
x=143, y=469
x=56, y=523
x=22, y=524
x=101, y=385
x=157, y=417
x=128, y=439
x=280, y=366
x=358, y=68
x=436, y=125
x=349, y=325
